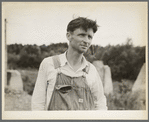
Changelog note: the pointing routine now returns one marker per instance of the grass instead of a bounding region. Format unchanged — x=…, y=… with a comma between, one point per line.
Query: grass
x=124, y=99
x=29, y=78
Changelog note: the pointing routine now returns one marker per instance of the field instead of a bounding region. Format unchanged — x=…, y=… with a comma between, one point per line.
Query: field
x=121, y=99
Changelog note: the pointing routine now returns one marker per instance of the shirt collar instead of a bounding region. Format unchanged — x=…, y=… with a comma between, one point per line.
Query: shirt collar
x=64, y=60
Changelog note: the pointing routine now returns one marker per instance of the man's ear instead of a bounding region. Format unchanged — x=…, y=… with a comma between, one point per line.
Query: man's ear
x=68, y=35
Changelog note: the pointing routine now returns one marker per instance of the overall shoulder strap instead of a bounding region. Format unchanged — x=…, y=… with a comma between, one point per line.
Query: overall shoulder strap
x=56, y=61
x=87, y=68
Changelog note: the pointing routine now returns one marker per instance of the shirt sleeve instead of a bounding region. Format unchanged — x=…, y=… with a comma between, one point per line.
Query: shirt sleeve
x=98, y=93
x=39, y=93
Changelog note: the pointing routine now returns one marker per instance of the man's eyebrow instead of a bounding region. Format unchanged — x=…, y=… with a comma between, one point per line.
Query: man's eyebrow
x=85, y=34
x=81, y=34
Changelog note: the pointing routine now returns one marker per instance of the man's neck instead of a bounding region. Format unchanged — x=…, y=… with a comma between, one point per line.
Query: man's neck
x=74, y=58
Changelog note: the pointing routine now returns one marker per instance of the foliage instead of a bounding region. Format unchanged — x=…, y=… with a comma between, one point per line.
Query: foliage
x=124, y=60
x=29, y=78
x=12, y=60
x=124, y=99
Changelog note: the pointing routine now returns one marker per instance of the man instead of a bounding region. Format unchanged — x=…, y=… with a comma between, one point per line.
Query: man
x=68, y=81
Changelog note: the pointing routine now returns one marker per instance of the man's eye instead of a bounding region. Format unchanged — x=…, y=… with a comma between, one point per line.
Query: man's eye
x=82, y=35
x=89, y=37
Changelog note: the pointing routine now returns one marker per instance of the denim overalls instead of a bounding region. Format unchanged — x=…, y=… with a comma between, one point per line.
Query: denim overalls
x=71, y=93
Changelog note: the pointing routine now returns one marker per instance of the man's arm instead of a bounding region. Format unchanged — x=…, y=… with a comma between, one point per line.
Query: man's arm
x=39, y=93
x=98, y=93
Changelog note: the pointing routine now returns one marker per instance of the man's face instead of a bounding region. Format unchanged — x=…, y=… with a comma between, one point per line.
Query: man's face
x=80, y=40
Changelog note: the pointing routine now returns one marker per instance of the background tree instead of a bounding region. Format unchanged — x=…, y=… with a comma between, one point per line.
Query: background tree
x=124, y=60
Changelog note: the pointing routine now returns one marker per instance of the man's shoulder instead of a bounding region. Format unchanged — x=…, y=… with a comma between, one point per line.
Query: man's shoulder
x=91, y=65
x=92, y=68
x=47, y=59
x=50, y=59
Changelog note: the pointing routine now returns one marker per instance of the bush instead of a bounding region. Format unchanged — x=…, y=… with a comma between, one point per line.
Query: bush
x=12, y=60
x=124, y=99
x=124, y=60
x=28, y=86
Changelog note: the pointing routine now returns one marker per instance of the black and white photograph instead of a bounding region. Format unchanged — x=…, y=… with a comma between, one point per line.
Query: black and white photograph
x=75, y=60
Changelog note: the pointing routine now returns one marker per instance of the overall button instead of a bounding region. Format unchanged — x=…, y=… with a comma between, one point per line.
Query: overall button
x=80, y=100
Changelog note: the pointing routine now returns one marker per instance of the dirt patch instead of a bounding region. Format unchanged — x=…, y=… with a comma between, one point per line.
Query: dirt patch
x=17, y=101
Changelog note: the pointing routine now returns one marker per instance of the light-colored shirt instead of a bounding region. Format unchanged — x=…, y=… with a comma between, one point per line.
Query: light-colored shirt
x=47, y=73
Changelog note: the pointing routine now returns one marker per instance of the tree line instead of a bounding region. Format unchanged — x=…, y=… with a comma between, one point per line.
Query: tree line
x=124, y=60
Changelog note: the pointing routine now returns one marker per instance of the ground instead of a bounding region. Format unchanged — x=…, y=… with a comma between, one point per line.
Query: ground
x=17, y=101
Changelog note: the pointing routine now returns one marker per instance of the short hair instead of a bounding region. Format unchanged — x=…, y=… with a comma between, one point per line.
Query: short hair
x=82, y=22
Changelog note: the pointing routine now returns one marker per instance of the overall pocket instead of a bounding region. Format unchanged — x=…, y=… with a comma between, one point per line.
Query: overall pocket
x=64, y=88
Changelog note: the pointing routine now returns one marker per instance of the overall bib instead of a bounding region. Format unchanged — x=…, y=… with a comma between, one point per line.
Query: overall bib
x=71, y=93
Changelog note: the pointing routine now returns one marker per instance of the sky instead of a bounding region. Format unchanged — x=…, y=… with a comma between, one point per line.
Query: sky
x=46, y=22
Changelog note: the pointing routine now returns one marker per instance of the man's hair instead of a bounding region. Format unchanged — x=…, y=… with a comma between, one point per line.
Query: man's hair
x=82, y=22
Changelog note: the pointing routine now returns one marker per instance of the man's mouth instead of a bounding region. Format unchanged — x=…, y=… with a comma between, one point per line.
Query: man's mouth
x=84, y=46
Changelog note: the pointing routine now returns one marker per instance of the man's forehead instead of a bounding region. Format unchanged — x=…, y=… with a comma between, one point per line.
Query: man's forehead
x=83, y=30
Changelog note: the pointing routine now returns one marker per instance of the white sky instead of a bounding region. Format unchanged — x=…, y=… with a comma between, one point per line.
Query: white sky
x=46, y=22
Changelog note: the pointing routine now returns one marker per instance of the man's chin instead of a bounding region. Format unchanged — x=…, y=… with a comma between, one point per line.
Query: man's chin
x=82, y=51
